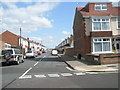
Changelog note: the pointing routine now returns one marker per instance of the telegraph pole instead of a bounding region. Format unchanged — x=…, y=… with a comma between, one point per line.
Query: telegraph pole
x=20, y=41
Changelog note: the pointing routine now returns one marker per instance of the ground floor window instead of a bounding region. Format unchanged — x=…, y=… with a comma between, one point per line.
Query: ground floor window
x=102, y=45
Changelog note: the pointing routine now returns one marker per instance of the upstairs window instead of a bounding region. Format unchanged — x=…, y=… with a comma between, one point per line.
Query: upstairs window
x=100, y=7
x=101, y=24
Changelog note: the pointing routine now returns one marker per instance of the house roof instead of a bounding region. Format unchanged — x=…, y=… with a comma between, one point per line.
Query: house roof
x=114, y=11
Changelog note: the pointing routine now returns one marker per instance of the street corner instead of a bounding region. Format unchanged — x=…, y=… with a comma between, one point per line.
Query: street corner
x=96, y=68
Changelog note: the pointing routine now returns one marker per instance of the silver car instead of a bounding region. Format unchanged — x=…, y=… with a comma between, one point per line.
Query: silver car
x=12, y=55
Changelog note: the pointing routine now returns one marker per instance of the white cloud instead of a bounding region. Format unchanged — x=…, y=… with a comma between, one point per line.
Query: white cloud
x=114, y=0
x=65, y=32
x=29, y=18
x=47, y=40
x=36, y=38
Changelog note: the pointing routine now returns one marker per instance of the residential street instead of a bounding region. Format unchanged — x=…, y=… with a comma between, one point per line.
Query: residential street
x=47, y=71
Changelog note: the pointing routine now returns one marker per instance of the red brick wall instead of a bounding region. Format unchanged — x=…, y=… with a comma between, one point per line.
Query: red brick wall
x=10, y=38
x=69, y=51
x=101, y=34
x=109, y=58
x=82, y=43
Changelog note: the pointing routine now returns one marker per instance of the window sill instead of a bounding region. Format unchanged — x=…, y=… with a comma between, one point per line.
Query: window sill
x=118, y=28
x=102, y=52
x=99, y=30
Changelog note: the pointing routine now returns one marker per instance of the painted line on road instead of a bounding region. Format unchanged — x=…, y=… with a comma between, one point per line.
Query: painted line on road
x=25, y=76
x=25, y=72
x=53, y=75
x=40, y=76
x=30, y=69
x=66, y=74
x=42, y=58
x=36, y=64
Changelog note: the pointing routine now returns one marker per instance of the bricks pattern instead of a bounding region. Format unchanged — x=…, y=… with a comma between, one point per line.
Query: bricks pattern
x=9, y=37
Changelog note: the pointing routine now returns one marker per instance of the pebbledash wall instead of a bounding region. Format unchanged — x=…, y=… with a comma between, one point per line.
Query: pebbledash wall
x=83, y=33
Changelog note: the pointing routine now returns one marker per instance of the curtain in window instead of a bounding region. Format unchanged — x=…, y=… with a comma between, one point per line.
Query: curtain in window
x=106, y=46
x=105, y=25
x=97, y=26
x=98, y=47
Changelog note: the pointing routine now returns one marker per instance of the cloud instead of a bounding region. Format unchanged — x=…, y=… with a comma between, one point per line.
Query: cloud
x=114, y=0
x=30, y=18
x=65, y=32
x=47, y=40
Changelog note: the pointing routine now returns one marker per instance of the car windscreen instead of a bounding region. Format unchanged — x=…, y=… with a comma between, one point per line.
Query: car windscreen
x=29, y=51
x=18, y=52
x=7, y=51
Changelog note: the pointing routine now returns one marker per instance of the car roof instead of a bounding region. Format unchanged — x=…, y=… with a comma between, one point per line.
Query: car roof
x=11, y=49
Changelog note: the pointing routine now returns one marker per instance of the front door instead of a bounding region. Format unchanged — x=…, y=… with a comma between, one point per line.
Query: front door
x=118, y=47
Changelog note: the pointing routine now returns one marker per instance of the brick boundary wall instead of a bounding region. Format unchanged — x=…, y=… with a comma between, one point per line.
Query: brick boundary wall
x=109, y=58
x=103, y=58
x=69, y=51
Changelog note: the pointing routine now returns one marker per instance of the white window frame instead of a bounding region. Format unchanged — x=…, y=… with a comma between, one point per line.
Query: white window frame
x=101, y=24
x=93, y=49
x=117, y=22
x=100, y=5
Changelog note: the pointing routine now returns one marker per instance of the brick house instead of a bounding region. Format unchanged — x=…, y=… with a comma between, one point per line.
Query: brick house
x=66, y=46
x=10, y=39
x=96, y=31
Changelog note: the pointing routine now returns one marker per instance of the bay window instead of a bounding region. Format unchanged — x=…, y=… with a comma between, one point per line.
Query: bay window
x=102, y=45
x=101, y=24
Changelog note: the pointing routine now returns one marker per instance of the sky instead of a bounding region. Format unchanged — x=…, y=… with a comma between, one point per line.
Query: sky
x=45, y=22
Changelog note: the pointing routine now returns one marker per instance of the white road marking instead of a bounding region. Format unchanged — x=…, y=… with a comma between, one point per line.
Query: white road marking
x=25, y=72
x=30, y=68
x=80, y=73
x=25, y=76
x=53, y=75
x=66, y=74
x=40, y=76
x=42, y=58
x=36, y=63
x=92, y=72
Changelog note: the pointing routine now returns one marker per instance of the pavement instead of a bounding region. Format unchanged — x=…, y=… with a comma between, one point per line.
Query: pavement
x=83, y=66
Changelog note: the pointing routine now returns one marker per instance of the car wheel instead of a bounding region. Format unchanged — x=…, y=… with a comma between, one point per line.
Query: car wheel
x=22, y=61
x=17, y=61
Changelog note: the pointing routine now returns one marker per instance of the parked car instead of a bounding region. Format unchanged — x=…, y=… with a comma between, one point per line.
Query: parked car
x=54, y=52
x=12, y=55
x=43, y=51
x=39, y=52
x=30, y=53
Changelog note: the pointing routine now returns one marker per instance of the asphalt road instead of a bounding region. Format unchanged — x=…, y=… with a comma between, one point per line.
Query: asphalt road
x=47, y=71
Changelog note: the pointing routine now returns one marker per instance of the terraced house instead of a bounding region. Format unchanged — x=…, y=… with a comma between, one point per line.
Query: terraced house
x=96, y=31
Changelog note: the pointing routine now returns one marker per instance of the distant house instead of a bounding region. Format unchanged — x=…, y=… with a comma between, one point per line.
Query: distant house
x=96, y=31
x=66, y=46
x=11, y=40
